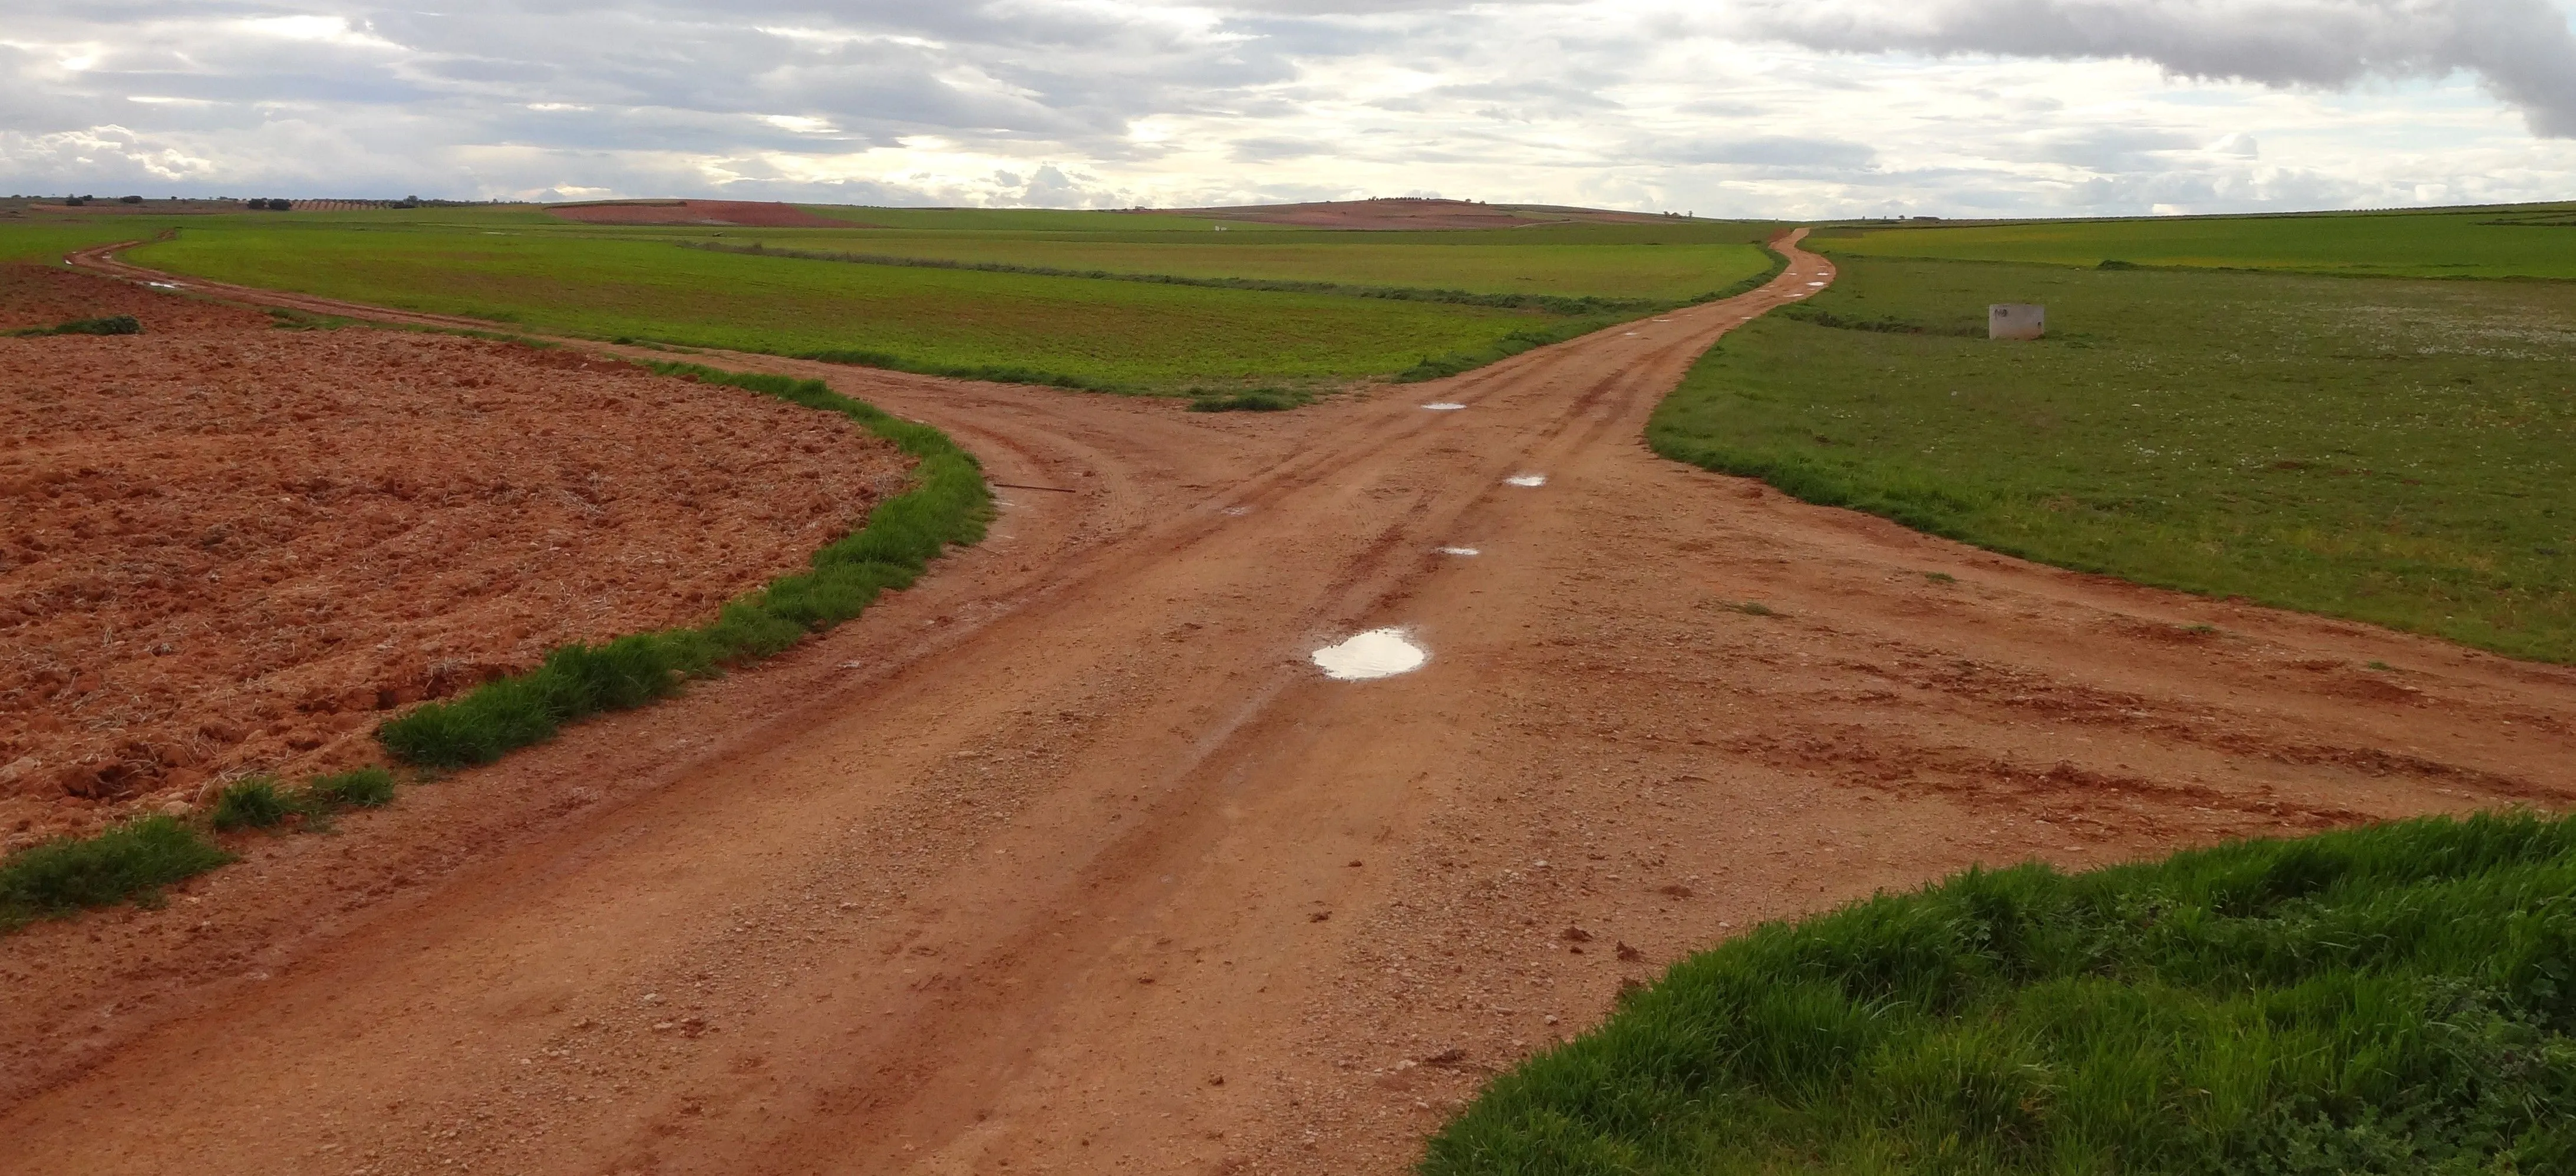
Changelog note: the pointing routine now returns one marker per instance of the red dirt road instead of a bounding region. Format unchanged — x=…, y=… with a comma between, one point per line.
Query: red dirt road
x=1066, y=861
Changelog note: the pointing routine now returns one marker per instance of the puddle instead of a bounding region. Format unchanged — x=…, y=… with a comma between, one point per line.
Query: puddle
x=1815, y=283
x=1459, y=551
x=163, y=285
x=1627, y=332
x=1238, y=510
x=1444, y=406
x=1527, y=479
x=1378, y=653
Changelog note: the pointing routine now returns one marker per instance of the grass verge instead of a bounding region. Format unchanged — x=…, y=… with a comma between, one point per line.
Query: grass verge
x=2395, y=451
x=134, y=860
x=115, y=324
x=2395, y=999
x=129, y=861
x=948, y=503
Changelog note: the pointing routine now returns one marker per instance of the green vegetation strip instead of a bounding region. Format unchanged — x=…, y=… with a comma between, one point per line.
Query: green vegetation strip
x=115, y=324
x=1552, y=303
x=2394, y=451
x=134, y=860
x=2527, y=241
x=949, y=503
x=1070, y=332
x=2396, y=999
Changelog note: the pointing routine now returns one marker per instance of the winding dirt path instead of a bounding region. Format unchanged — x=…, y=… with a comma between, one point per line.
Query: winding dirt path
x=1067, y=861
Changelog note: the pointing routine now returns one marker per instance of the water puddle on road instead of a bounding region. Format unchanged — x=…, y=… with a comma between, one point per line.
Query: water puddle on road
x=163, y=285
x=1378, y=653
x=1526, y=480
x=1444, y=406
x=1459, y=551
x=1815, y=283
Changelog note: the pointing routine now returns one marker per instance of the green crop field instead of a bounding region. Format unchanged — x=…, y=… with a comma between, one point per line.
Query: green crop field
x=48, y=240
x=1365, y=305
x=1105, y=333
x=2396, y=451
x=1485, y=265
x=2531, y=241
x=2386, y=1000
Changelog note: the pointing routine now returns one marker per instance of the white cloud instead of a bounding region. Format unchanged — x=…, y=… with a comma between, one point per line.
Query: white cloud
x=1818, y=107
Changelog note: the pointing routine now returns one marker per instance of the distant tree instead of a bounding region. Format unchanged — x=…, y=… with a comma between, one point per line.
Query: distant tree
x=129, y=200
x=74, y=201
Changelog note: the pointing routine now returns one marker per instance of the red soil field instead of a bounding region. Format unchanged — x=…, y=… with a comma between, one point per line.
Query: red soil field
x=233, y=549
x=747, y=213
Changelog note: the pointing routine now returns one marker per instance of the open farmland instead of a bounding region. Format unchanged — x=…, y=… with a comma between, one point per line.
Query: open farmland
x=1327, y=308
x=982, y=881
x=2402, y=452
x=1102, y=333
x=2517, y=241
x=1630, y=262
x=1064, y=858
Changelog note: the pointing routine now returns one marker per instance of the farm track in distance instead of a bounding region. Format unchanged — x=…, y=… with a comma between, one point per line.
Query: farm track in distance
x=1067, y=861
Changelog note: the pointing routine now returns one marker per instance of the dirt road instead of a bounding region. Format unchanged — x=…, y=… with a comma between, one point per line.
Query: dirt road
x=1068, y=861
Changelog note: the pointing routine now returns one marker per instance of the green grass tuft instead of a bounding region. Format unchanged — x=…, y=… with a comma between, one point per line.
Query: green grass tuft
x=129, y=861
x=948, y=504
x=255, y=803
x=362, y=788
x=1250, y=400
x=2394, y=999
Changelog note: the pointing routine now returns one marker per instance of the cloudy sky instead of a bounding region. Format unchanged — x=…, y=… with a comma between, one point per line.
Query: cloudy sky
x=1792, y=108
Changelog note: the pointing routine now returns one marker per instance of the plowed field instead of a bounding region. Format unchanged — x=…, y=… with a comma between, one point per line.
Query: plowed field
x=232, y=549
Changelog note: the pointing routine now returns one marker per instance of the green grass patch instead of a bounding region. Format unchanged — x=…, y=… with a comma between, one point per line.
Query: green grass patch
x=45, y=239
x=115, y=324
x=2531, y=241
x=1075, y=332
x=2400, y=452
x=1552, y=303
x=1484, y=268
x=361, y=788
x=2395, y=999
x=948, y=504
x=254, y=803
x=1252, y=400
x=132, y=861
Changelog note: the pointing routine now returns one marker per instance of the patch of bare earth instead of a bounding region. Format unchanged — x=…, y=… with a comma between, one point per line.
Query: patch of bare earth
x=235, y=549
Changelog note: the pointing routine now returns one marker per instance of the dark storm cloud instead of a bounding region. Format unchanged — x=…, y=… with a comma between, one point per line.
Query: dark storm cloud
x=2522, y=49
